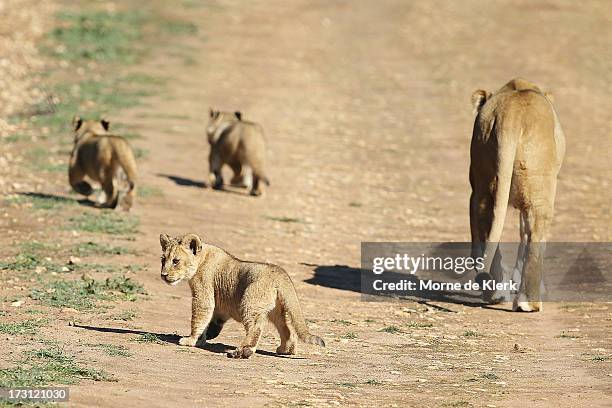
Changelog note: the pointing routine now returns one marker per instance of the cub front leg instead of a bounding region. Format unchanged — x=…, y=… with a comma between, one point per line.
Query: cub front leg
x=201, y=315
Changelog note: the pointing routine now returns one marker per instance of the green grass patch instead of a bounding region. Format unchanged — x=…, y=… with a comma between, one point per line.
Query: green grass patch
x=289, y=220
x=149, y=191
x=460, y=403
x=37, y=246
x=93, y=248
x=92, y=99
x=83, y=294
x=124, y=316
x=350, y=336
x=178, y=27
x=347, y=385
x=28, y=262
x=98, y=36
x=148, y=338
x=471, y=333
x=112, y=350
x=140, y=153
x=106, y=222
x=144, y=79
x=489, y=376
x=566, y=335
x=48, y=366
x=342, y=322
x=42, y=201
x=373, y=382
x=16, y=137
x=419, y=325
x=355, y=204
x=391, y=329
x=22, y=328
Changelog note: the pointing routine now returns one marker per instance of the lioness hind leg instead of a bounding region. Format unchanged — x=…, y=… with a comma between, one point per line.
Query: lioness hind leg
x=537, y=223
x=481, y=219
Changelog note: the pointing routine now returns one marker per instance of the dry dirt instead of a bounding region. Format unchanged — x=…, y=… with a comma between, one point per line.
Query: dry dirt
x=366, y=109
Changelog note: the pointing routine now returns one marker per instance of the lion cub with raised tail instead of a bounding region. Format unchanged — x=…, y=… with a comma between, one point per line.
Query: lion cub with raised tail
x=241, y=145
x=225, y=287
x=99, y=155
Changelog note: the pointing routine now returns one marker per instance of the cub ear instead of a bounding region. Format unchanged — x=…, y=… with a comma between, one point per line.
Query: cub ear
x=193, y=242
x=76, y=122
x=479, y=98
x=211, y=112
x=550, y=97
x=105, y=124
x=238, y=115
x=164, y=240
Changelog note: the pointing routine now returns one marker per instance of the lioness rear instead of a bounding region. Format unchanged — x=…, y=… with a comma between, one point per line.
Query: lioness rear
x=516, y=153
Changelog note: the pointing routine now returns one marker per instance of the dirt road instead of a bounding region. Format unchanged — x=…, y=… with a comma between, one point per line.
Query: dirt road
x=366, y=109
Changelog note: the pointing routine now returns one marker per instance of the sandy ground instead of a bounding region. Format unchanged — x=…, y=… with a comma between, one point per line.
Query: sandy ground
x=366, y=109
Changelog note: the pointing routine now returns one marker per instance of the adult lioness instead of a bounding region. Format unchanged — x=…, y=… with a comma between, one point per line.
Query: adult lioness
x=241, y=145
x=224, y=287
x=516, y=153
x=98, y=155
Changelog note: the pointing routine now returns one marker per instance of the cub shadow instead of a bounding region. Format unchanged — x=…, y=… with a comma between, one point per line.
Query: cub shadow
x=58, y=198
x=183, y=181
x=217, y=348
x=344, y=277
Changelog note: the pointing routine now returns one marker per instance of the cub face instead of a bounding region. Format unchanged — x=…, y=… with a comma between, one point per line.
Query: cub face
x=179, y=257
x=218, y=119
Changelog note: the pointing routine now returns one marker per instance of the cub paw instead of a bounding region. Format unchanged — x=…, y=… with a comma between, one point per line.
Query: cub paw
x=188, y=341
x=242, y=352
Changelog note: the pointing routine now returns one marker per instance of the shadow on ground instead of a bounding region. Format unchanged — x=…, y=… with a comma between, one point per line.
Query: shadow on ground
x=58, y=198
x=348, y=278
x=183, y=181
x=218, y=348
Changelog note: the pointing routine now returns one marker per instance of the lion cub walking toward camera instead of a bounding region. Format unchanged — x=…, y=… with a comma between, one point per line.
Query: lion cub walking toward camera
x=99, y=155
x=241, y=145
x=516, y=154
x=224, y=287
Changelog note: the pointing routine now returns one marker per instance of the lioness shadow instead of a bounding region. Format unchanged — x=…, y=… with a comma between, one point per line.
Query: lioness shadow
x=218, y=348
x=345, y=277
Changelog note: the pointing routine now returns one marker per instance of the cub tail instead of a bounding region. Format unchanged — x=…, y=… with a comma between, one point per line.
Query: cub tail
x=293, y=310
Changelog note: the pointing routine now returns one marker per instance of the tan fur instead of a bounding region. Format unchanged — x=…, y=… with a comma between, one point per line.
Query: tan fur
x=99, y=155
x=241, y=145
x=516, y=154
x=225, y=287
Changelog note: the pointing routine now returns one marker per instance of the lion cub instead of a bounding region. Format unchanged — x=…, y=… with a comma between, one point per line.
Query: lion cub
x=224, y=287
x=241, y=145
x=99, y=155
